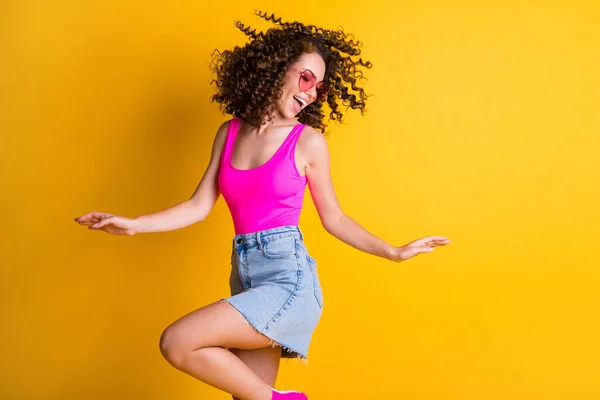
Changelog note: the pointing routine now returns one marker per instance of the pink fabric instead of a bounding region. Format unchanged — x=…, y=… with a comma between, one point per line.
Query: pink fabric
x=265, y=197
x=288, y=395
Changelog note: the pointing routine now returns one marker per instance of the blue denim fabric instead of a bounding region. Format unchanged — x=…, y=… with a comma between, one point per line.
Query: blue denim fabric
x=275, y=286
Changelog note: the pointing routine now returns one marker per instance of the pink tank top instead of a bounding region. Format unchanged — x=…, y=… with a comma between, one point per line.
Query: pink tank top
x=265, y=197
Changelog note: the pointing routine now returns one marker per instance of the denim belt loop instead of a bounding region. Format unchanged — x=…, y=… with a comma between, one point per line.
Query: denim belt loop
x=301, y=235
x=258, y=242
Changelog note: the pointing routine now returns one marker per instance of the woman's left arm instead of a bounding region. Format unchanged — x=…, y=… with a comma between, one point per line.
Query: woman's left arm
x=338, y=224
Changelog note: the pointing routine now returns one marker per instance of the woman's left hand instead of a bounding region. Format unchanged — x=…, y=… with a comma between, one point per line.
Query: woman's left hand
x=423, y=245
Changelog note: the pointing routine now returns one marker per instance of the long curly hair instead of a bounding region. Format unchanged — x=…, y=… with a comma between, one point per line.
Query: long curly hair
x=249, y=79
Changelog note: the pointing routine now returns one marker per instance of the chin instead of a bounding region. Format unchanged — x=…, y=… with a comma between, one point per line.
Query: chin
x=289, y=114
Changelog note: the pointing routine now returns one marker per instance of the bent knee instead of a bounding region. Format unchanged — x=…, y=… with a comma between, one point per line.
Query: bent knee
x=173, y=347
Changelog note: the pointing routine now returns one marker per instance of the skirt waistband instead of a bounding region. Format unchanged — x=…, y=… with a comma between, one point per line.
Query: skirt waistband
x=267, y=235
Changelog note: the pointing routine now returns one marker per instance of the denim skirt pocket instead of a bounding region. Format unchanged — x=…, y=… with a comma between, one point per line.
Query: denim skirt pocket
x=280, y=248
x=316, y=282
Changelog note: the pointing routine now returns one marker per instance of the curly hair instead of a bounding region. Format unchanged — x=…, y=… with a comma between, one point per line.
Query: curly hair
x=249, y=79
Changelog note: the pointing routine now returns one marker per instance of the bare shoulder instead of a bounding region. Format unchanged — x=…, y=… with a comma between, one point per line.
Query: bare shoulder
x=222, y=131
x=207, y=191
x=219, y=139
x=312, y=137
x=219, y=143
x=313, y=146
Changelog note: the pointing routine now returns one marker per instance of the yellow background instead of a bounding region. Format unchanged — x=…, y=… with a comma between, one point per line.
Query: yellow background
x=483, y=127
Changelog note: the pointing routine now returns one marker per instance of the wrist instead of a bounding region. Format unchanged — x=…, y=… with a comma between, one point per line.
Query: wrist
x=391, y=252
x=137, y=225
x=395, y=254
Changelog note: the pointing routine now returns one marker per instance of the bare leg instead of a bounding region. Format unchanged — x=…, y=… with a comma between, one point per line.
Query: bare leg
x=195, y=345
x=264, y=362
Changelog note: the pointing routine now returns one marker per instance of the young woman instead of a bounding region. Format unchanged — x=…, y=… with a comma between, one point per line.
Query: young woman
x=274, y=87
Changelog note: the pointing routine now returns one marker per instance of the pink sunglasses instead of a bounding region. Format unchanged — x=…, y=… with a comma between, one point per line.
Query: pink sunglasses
x=308, y=80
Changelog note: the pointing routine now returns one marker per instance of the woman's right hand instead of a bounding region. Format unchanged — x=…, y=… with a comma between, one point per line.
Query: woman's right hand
x=416, y=247
x=108, y=223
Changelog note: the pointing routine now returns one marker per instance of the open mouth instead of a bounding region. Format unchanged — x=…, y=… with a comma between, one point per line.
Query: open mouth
x=300, y=101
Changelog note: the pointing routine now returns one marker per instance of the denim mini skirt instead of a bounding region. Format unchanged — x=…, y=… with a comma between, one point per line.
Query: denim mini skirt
x=275, y=286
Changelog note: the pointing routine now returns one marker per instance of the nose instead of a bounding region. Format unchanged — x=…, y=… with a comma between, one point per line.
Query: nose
x=312, y=92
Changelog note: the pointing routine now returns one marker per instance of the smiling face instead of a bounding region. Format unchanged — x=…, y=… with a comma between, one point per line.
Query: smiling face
x=293, y=99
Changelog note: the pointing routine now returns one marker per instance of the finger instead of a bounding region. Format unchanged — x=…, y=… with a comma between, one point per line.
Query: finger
x=439, y=238
x=104, y=222
x=85, y=217
x=101, y=215
x=87, y=221
x=90, y=221
x=92, y=216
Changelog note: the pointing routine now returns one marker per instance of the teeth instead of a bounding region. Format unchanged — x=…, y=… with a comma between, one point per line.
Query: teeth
x=300, y=100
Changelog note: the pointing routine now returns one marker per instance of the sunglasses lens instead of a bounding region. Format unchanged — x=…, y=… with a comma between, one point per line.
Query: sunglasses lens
x=307, y=81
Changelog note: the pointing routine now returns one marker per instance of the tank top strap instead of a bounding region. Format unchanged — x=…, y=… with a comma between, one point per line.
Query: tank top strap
x=232, y=130
x=289, y=146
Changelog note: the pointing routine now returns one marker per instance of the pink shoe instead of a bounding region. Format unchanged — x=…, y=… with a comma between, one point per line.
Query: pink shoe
x=288, y=395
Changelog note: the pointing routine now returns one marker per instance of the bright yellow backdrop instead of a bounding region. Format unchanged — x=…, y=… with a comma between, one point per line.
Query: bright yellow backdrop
x=483, y=127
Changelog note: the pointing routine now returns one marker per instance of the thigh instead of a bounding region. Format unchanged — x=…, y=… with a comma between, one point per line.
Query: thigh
x=215, y=325
x=264, y=362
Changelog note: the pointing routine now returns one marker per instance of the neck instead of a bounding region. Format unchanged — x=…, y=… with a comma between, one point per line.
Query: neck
x=278, y=120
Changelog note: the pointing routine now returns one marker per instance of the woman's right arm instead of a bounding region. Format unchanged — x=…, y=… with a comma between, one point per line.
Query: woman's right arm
x=186, y=213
